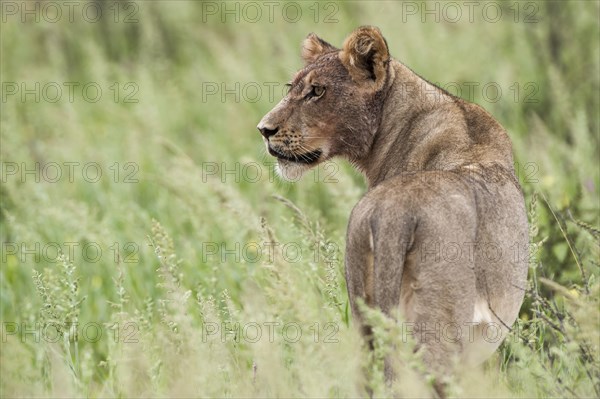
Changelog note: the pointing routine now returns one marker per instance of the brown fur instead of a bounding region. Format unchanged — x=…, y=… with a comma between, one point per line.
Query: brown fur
x=440, y=177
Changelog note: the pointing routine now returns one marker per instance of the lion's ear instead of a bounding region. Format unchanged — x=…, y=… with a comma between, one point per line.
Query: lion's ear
x=365, y=54
x=313, y=47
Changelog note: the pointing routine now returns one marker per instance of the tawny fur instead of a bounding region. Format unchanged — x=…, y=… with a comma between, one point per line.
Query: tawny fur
x=441, y=235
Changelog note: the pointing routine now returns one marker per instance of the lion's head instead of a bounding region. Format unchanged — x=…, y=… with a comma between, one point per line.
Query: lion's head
x=333, y=105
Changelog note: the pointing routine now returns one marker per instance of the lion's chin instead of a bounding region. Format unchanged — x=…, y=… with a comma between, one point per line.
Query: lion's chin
x=291, y=171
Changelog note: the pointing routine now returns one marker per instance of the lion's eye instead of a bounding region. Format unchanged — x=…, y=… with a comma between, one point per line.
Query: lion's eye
x=317, y=91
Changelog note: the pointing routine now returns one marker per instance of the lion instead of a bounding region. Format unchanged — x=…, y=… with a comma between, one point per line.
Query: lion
x=439, y=241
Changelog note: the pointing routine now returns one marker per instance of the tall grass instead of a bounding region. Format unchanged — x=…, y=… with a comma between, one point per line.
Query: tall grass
x=196, y=262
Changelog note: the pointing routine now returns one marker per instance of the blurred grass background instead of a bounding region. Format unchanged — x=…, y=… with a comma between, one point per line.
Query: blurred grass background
x=166, y=129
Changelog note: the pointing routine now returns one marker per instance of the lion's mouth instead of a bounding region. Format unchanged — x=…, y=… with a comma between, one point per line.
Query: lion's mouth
x=305, y=158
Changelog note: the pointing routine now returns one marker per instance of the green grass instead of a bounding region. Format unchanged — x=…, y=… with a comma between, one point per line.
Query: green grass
x=164, y=279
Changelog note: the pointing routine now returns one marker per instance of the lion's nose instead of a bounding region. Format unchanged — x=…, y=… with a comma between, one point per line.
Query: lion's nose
x=267, y=132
